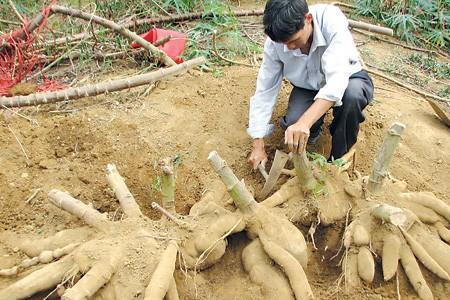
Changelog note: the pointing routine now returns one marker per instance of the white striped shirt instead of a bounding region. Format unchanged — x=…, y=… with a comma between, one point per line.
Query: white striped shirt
x=332, y=59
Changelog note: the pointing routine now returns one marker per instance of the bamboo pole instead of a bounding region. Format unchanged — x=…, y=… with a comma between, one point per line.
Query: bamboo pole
x=100, y=88
x=157, y=53
x=384, y=157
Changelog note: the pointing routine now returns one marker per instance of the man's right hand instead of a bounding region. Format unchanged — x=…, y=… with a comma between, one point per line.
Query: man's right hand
x=258, y=155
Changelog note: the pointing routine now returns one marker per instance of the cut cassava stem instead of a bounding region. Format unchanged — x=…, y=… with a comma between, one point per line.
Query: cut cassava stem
x=304, y=172
x=384, y=157
x=241, y=196
x=126, y=199
x=77, y=208
x=393, y=215
x=97, y=89
x=168, y=180
x=157, y=53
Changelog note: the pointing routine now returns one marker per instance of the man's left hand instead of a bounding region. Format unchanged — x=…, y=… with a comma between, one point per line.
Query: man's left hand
x=296, y=136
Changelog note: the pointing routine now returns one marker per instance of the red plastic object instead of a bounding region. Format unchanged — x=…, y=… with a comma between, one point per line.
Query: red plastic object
x=173, y=48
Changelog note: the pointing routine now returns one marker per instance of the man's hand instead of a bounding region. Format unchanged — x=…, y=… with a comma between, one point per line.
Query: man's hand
x=258, y=155
x=296, y=136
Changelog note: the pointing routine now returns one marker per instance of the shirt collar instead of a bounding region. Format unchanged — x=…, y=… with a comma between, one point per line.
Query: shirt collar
x=318, y=39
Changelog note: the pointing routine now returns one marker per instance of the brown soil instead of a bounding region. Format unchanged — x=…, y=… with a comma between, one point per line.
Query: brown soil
x=192, y=115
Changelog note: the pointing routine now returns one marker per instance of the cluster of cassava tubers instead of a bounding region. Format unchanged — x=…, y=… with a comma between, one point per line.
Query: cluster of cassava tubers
x=102, y=261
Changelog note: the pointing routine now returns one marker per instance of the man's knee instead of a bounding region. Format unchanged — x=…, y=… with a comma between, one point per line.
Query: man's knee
x=356, y=97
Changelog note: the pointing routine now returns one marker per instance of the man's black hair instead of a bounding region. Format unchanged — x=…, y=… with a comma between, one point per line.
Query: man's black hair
x=283, y=18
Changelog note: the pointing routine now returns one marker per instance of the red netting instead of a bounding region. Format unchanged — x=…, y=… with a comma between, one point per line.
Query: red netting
x=18, y=57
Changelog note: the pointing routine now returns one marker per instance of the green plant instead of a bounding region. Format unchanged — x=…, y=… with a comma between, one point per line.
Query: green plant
x=445, y=92
x=413, y=20
x=429, y=65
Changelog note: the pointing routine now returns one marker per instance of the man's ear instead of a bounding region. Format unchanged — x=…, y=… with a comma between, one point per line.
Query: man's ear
x=308, y=18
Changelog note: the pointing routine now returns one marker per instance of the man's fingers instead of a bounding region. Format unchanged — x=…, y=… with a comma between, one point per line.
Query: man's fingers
x=288, y=139
x=263, y=162
x=296, y=141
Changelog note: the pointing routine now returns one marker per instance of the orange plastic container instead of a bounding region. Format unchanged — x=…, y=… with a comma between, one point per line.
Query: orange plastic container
x=173, y=48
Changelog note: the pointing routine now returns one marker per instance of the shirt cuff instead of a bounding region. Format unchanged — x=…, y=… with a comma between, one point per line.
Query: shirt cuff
x=322, y=94
x=260, y=132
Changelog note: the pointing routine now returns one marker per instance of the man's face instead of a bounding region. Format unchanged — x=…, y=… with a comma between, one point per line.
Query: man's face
x=301, y=39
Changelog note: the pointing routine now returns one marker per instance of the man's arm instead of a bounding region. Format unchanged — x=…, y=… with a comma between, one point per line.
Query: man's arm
x=262, y=103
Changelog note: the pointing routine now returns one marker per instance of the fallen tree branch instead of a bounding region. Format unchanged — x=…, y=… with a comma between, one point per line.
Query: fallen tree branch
x=372, y=36
x=101, y=88
x=119, y=54
x=407, y=86
x=26, y=30
x=14, y=8
x=172, y=19
x=157, y=53
x=9, y=22
x=346, y=5
x=216, y=52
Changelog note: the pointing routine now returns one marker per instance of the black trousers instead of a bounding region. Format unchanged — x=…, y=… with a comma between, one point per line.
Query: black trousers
x=344, y=128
